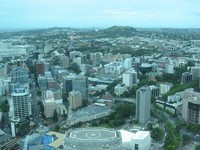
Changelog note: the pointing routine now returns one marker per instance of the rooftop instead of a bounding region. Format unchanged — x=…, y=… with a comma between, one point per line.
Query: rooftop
x=59, y=141
x=89, y=111
x=93, y=134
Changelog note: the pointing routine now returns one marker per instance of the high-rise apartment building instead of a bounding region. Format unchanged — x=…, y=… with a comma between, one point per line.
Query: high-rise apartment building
x=143, y=104
x=21, y=103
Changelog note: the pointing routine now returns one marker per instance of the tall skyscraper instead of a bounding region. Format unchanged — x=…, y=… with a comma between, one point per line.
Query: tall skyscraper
x=21, y=103
x=143, y=104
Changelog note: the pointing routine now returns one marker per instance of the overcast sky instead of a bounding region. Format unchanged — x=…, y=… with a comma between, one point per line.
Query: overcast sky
x=19, y=14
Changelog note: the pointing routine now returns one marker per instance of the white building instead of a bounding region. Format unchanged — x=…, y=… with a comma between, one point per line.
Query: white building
x=169, y=68
x=6, y=49
x=120, y=89
x=20, y=105
x=128, y=79
x=173, y=98
x=116, y=67
x=128, y=63
x=140, y=140
x=165, y=87
x=52, y=100
x=105, y=138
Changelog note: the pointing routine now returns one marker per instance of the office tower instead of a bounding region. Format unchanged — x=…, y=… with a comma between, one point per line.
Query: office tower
x=195, y=72
x=21, y=103
x=19, y=75
x=75, y=99
x=186, y=77
x=65, y=62
x=143, y=104
x=81, y=84
x=67, y=85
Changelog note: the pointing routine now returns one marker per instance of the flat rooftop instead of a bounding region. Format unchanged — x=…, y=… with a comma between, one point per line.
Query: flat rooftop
x=58, y=141
x=91, y=134
x=90, y=110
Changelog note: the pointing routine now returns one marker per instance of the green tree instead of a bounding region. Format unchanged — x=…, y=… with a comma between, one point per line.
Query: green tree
x=56, y=61
x=56, y=129
x=153, y=99
x=157, y=134
x=39, y=93
x=55, y=116
x=5, y=106
x=85, y=102
x=197, y=147
x=186, y=139
x=74, y=67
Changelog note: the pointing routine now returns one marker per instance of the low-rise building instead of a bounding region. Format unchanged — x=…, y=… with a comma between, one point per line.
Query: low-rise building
x=120, y=89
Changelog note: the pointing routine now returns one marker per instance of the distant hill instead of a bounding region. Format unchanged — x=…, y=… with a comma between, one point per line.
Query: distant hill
x=119, y=31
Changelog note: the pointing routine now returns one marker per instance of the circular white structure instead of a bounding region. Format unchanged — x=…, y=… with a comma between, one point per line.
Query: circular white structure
x=93, y=138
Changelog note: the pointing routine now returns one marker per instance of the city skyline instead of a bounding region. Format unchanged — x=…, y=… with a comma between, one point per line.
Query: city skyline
x=21, y=14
